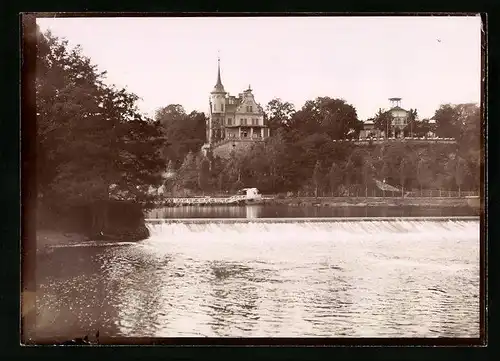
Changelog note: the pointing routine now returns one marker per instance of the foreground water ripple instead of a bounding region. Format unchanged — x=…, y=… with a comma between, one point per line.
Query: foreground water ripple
x=337, y=279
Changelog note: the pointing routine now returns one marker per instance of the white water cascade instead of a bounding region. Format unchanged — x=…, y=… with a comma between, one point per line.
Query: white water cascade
x=399, y=277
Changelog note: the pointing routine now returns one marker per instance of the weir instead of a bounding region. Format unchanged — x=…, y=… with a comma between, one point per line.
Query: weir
x=308, y=219
x=299, y=230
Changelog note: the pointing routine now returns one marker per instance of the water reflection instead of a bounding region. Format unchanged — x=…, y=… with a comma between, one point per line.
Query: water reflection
x=253, y=211
x=136, y=280
x=331, y=302
x=234, y=299
x=247, y=211
x=379, y=279
x=280, y=211
x=72, y=294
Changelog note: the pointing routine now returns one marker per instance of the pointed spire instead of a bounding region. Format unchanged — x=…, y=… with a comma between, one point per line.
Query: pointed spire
x=218, y=86
x=219, y=82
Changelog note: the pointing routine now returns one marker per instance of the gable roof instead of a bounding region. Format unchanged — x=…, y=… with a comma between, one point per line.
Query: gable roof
x=398, y=108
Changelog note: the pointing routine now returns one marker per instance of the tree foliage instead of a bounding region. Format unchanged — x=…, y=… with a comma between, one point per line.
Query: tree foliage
x=91, y=139
x=279, y=114
x=333, y=117
x=447, y=121
x=204, y=175
x=317, y=177
x=384, y=121
x=334, y=178
x=93, y=142
x=303, y=157
x=411, y=127
x=186, y=132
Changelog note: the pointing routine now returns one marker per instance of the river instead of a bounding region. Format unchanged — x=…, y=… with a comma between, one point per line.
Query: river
x=390, y=278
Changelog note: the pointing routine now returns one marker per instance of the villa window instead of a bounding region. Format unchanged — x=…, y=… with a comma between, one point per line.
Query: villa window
x=229, y=121
x=222, y=107
x=243, y=122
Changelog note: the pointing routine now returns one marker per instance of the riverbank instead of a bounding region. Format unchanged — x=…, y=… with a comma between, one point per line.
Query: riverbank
x=376, y=201
x=110, y=220
x=473, y=202
x=46, y=238
x=51, y=237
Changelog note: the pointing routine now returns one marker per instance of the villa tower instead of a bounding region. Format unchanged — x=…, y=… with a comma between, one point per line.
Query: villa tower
x=233, y=122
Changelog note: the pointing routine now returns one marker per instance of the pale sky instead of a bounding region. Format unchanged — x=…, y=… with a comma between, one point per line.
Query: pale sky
x=426, y=61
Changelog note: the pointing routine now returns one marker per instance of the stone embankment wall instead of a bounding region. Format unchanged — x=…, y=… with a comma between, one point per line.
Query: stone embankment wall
x=224, y=150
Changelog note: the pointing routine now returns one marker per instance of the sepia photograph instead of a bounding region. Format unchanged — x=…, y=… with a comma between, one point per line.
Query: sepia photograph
x=256, y=177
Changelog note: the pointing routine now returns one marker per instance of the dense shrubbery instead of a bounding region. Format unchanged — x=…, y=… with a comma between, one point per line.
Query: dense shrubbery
x=301, y=155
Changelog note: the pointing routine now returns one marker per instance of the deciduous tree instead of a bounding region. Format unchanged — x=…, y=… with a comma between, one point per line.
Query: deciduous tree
x=186, y=132
x=368, y=171
x=424, y=175
x=279, y=114
x=335, y=178
x=204, y=175
x=447, y=121
x=317, y=178
x=91, y=137
x=334, y=117
x=383, y=121
x=411, y=123
x=188, y=173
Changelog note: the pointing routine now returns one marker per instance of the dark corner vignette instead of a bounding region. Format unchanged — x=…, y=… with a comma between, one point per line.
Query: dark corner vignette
x=28, y=178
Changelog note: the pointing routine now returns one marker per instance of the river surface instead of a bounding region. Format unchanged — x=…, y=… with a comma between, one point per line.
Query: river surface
x=283, y=211
x=399, y=278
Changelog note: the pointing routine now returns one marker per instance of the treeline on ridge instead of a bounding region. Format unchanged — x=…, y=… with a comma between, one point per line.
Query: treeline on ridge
x=93, y=143
x=301, y=155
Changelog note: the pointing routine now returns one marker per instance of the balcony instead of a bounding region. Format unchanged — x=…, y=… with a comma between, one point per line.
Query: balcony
x=247, y=125
x=255, y=137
